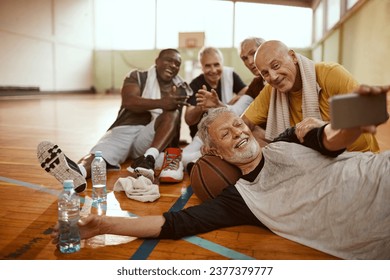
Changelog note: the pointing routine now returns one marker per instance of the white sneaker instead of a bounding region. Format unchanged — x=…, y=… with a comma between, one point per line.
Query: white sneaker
x=172, y=169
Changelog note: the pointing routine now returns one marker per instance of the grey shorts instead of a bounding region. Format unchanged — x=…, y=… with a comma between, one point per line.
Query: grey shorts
x=123, y=142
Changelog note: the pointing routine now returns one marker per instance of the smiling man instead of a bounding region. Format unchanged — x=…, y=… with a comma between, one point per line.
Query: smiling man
x=217, y=80
x=148, y=122
x=308, y=192
x=298, y=88
x=217, y=86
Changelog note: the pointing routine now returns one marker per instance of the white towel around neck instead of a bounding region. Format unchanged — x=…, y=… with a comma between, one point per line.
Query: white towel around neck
x=279, y=114
x=152, y=88
x=227, y=84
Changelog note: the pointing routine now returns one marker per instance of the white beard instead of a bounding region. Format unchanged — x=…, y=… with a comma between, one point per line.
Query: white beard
x=249, y=153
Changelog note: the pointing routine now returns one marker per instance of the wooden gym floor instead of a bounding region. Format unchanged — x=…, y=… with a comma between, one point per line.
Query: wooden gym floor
x=29, y=195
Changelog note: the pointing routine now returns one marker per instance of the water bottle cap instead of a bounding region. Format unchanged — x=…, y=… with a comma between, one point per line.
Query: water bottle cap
x=98, y=153
x=68, y=184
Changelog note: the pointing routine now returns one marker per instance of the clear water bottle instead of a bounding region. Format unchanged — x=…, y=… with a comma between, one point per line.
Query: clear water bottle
x=68, y=216
x=99, y=178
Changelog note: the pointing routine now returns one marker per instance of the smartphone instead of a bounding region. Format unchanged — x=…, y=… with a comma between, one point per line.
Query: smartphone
x=355, y=110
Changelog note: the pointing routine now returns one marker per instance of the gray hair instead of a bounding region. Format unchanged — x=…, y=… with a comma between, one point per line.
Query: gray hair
x=258, y=41
x=209, y=50
x=206, y=121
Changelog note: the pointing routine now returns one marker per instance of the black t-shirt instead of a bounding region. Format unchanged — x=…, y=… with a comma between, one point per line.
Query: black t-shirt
x=255, y=87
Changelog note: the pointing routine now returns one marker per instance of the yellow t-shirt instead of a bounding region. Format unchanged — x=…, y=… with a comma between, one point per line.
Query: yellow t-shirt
x=333, y=79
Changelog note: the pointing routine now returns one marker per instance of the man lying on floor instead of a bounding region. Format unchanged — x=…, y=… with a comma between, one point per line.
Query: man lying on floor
x=313, y=193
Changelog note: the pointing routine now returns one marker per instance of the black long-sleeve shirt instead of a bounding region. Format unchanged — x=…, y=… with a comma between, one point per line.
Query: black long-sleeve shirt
x=229, y=208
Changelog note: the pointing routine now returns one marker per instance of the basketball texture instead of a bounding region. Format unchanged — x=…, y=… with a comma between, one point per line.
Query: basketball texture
x=210, y=175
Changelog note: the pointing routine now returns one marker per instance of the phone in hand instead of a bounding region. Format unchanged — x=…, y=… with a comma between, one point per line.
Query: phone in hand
x=356, y=110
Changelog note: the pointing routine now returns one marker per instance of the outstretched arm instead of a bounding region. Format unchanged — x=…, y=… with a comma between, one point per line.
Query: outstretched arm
x=332, y=139
x=336, y=139
x=227, y=209
x=323, y=138
x=92, y=225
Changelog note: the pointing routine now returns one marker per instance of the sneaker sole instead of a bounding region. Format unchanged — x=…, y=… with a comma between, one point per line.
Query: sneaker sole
x=170, y=180
x=53, y=161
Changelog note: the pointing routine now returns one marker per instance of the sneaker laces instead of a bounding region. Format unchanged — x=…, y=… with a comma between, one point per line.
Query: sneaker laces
x=171, y=161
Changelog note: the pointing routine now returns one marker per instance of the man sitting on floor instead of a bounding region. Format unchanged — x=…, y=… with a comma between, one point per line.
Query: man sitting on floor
x=148, y=123
x=313, y=192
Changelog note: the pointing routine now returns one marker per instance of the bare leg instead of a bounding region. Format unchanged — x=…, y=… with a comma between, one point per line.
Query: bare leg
x=166, y=127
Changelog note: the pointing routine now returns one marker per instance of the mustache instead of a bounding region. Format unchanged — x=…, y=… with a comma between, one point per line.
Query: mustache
x=242, y=139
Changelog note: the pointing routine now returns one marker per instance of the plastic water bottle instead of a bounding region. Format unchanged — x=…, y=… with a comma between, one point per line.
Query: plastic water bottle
x=68, y=215
x=99, y=178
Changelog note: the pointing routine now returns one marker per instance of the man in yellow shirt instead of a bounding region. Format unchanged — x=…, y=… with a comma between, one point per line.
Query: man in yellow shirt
x=297, y=88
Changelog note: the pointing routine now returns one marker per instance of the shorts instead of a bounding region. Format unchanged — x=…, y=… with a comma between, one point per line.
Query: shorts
x=125, y=142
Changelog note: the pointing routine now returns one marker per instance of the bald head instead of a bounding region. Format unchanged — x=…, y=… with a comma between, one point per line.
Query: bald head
x=278, y=65
x=270, y=49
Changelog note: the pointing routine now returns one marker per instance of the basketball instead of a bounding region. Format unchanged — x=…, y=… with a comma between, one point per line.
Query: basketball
x=210, y=175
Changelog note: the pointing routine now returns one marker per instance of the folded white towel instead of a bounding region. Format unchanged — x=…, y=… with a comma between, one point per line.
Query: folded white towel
x=140, y=189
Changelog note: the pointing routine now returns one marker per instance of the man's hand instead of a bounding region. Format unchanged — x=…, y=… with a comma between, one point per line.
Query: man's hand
x=172, y=101
x=89, y=227
x=372, y=90
x=306, y=125
x=366, y=90
x=208, y=99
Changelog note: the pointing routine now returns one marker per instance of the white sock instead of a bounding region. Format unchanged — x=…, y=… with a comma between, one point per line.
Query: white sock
x=83, y=170
x=152, y=152
x=159, y=161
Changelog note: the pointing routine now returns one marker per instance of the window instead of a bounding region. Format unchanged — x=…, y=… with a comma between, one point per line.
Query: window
x=351, y=3
x=124, y=25
x=149, y=24
x=291, y=25
x=215, y=18
x=329, y=13
x=333, y=13
x=319, y=22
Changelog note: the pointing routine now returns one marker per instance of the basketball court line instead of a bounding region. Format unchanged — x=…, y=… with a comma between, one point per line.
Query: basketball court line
x=214, y=247
x=30, y=186
x=148, y=245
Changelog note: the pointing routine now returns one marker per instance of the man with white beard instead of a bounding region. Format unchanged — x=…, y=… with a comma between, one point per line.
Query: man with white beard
x=308, y=192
